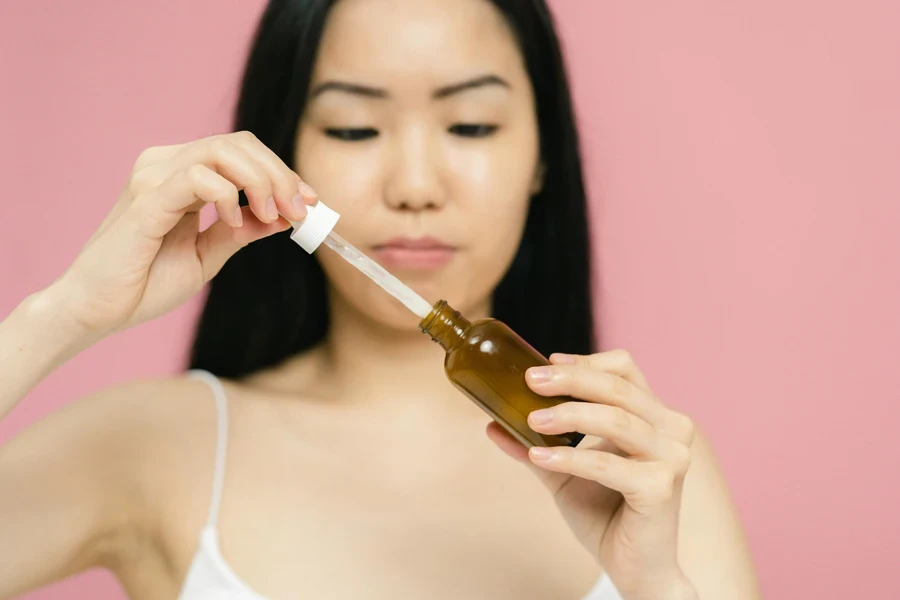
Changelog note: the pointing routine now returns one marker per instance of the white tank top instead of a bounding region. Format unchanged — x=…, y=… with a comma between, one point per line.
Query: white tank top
x=210, y=577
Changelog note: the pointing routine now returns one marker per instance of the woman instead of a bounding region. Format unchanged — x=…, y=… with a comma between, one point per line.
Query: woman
x=339, y=461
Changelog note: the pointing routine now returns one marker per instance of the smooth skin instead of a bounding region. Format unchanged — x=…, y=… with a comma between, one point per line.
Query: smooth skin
x=354, y=470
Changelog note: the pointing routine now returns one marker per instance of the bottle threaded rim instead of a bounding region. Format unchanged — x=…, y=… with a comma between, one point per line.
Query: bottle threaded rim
x=428, y=321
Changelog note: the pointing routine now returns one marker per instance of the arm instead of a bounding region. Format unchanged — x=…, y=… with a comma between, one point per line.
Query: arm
x=70, y=496
x=70, y=492
x=712, y=548
x=34, y=340
x=88, y=485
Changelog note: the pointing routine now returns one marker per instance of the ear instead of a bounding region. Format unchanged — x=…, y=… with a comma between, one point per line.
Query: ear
x=537, y=184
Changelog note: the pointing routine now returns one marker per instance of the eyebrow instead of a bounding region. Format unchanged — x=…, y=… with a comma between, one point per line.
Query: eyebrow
x=471, y=84
x=357, y=89
x=348, y=88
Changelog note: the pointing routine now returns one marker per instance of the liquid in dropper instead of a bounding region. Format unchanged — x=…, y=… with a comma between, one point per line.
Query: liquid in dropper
x=376, y=273
x=318, y=228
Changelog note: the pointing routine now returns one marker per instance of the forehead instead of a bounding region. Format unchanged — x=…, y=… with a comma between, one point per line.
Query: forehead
x=427, y=42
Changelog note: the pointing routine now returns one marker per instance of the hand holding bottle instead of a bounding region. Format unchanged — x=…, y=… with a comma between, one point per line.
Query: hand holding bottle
x=620, y=494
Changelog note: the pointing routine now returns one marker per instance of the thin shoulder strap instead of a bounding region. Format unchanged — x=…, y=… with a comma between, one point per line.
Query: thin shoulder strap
x=604, y=590
x=221, y=441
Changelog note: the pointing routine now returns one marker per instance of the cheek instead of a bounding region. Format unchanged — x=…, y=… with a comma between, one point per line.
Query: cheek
x=496, y=200
x=493, y=193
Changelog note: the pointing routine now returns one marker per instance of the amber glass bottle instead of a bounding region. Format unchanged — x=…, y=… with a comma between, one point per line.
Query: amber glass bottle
x=487, y=361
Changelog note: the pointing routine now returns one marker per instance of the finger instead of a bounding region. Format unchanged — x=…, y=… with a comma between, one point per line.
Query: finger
x=155, y=154
x=231, y=162
x=506, y=442
x=137, y=183
x=633, y=435
x=613, y=471
x=617, y=362
x=220, y=241
x=157, y=211
x=646, y=486
x=620, y=366
x=514, y=449
x=291, y=193
x=593, y=385
x=209, y=187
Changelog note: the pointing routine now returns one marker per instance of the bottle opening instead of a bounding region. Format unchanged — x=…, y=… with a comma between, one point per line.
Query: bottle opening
x=428, y=321
x=445, y=325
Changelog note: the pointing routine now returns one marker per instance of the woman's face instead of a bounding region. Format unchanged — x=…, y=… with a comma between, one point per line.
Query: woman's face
x=421, y=131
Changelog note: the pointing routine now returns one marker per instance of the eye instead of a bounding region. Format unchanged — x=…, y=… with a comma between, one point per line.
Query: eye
x=473, y=130
x=352, y=134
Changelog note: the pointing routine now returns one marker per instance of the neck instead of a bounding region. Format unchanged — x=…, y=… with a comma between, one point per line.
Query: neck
x=370, y=363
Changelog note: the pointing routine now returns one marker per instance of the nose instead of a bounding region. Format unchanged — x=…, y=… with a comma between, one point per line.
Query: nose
x=415, y=181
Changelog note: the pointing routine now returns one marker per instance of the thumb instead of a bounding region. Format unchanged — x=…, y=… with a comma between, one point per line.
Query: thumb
x=221, y=241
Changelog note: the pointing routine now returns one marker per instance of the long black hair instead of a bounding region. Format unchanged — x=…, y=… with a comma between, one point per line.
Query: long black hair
x=269, y=302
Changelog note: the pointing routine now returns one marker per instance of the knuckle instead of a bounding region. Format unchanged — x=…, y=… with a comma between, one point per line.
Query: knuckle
x=620, y=418
x=601, y=462
x=220, y=145
x=605, y=382
x=195, y=173
x=662, y=484
x=622, y=357
x=287, y=178
x=683, y=428
x=246, y=137
x=566, y=413
x=618, y=387
x=592, y=360
x=579, y=370
x=141, y=181
x=146, y=157
x=229, y=189
x=681, y=459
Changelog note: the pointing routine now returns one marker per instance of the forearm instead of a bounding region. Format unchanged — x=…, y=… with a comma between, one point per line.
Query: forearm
x=35, y=339
x=713, y=550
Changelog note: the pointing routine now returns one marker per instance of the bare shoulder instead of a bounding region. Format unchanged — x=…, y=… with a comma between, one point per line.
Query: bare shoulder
x=120, y=421
x=156, y=433
x=122, y=436
x=89, y=484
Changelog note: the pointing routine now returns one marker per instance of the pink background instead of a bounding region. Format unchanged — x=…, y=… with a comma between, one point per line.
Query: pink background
x=744, y=165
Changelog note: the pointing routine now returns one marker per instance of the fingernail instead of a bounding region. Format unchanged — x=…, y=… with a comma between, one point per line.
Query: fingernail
x=299, y=206
x=238, y=217
x=541, y=417
x=564, y=359
x=307, y=191
x=539, y=374
x=540, y=453
x=271, y=209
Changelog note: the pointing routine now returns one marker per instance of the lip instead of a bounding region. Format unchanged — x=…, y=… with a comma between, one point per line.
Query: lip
x=414, y=254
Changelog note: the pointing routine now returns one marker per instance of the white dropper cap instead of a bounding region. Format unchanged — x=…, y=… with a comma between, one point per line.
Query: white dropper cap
x=312, y=231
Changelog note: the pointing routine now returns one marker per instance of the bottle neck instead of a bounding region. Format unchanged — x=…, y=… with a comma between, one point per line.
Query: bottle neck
x=445, y=326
